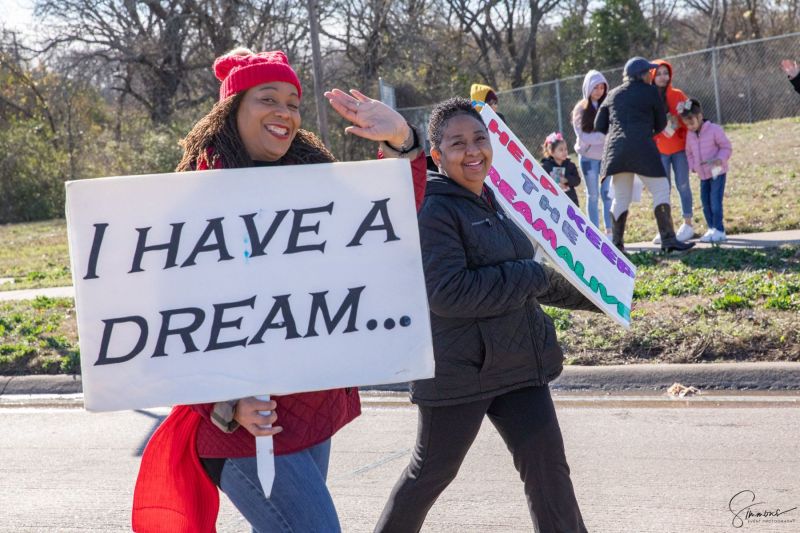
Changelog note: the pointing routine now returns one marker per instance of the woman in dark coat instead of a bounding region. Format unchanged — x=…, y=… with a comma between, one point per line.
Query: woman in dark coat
x=495, y=348
x=631, y=115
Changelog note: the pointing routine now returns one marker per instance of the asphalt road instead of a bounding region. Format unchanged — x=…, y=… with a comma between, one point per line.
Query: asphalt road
x=639, y=464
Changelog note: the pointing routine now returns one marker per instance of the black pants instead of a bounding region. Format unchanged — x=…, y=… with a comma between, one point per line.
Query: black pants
x=526, y=419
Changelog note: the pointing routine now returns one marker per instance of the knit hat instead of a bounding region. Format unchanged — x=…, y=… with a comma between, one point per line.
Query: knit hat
x=479, y=94
x=241, y=69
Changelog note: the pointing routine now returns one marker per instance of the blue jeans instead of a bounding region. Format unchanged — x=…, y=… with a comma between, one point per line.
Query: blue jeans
x=591, y=176
x=300, y=501
x=680, y=167
x=711, y=193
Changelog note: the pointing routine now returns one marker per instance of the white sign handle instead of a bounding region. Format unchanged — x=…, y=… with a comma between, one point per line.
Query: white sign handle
x=265, y=456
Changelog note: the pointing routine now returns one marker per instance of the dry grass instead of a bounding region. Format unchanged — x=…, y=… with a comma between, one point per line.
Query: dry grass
x=35, y=254
x=762, y=191
x=708, y=305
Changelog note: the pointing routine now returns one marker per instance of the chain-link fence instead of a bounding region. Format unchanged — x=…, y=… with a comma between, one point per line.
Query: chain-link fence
x=736, y=83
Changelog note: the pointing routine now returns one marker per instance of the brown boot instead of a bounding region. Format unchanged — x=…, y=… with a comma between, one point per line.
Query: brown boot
x=663, y=214
x=618, y=230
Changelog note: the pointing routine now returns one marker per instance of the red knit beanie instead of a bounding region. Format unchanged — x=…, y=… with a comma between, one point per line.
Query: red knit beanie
x=241, y=69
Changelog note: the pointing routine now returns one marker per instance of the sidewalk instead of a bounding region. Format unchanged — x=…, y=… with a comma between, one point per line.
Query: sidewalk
x=770, y=239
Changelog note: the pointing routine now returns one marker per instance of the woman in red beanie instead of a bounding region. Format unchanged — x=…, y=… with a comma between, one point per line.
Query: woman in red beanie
x=256, y=122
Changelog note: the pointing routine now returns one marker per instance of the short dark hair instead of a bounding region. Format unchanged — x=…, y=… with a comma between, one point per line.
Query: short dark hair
x=443, y=112
x=694, y=108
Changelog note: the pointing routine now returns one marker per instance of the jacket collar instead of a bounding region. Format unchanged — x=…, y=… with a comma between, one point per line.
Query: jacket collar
x=439, y=184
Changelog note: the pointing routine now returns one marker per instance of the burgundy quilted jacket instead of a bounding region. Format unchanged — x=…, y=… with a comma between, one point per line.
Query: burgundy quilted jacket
x=308, y=418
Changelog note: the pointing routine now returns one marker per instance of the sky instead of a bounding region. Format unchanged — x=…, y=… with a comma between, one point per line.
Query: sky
x=17, y=15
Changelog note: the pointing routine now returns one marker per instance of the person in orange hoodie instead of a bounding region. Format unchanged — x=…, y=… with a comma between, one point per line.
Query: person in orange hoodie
x=671, y=144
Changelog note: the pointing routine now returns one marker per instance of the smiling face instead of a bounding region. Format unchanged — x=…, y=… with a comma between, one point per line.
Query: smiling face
x=662, y=76
x=465, y=152
x=268, y=119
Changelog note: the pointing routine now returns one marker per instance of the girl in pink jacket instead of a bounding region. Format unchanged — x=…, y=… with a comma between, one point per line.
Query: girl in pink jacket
x=708, y=151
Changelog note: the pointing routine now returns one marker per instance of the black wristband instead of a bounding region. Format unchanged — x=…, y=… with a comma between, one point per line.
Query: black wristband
x=414, y=144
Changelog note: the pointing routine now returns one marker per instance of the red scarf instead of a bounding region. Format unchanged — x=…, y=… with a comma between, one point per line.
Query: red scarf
x=173, y=493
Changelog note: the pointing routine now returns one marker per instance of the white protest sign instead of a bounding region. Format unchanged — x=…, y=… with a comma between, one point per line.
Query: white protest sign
x=574, y=246
x=204, y=286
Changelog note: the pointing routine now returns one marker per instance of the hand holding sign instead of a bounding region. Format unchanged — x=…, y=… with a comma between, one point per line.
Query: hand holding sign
x=257, y=416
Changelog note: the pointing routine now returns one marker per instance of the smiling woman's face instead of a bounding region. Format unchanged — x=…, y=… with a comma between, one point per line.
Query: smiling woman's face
x=465, y=153
x=268, y=119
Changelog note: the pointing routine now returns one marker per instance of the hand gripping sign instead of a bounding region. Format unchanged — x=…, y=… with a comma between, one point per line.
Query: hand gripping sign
x=573, y=245
x=199, y=287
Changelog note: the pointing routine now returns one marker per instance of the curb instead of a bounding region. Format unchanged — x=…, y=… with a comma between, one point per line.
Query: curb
x=645, y=377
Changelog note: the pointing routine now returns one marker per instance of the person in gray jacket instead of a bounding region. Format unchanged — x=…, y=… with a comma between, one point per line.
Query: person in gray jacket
x=631, y=115
x=495, y=348
x=589, y=145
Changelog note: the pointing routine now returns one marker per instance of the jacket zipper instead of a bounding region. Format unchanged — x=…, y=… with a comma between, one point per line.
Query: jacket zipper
x=503, y=218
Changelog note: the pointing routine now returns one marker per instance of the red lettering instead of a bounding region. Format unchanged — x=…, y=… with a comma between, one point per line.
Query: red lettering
x=494, y=127
x=547, y=184
x=547, y=233
x=504, y=138
x=515, y=151
x=506, y=190
x=528, y=166
x=525, y=210
x=495, y=176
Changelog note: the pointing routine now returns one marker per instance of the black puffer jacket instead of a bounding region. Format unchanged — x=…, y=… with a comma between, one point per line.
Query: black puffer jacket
x=489, y=333
x=630, y=116
x=570, y=173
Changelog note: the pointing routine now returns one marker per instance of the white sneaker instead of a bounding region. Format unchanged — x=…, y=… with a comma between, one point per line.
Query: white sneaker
x=708, y=236
x=657, y=239
x=719, y=236
x=685, y=232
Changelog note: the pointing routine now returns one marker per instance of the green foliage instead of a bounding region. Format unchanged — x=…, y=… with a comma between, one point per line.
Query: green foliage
x=31, y=172
x=735, y=277
x=618, y=31
x=729, y=301
x=561, y=317
x=38, y=336
x=576, y=56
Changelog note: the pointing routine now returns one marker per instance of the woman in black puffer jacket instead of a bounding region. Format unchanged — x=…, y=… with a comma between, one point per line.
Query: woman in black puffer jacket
x=495, y=349
x=630, y=116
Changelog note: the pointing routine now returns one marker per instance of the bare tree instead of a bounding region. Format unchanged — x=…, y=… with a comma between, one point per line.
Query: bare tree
x=505, y=35
x=715, y=13
x=160, y=51
x=661, y=15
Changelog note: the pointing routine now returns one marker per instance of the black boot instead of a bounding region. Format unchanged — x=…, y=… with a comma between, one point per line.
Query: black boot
x=663, y=214
x=618, y=230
